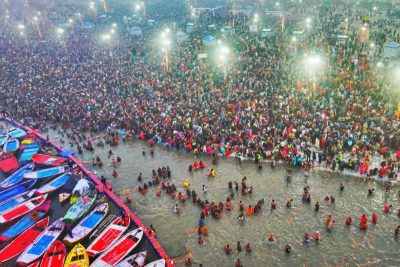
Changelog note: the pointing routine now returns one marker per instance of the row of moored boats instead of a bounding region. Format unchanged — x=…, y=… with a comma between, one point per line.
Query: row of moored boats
x=30, y=236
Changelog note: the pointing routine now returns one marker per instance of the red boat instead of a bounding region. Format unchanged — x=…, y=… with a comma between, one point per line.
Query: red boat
x=107, y=237
x=20, y=243
x=55, y=255
x=119, y=250
x=8, y=163
x=48, y=160
x=21, y=209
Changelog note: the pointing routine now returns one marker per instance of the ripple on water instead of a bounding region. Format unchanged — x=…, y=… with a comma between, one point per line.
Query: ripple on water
x=346, y=246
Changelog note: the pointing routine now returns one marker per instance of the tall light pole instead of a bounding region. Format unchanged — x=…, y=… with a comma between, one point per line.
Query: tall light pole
x=35, y=20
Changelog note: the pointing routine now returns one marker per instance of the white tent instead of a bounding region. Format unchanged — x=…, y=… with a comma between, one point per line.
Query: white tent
x=342, y=39
x=135, y=31
x=391, y=50
x=267, y=32
x=299, y=35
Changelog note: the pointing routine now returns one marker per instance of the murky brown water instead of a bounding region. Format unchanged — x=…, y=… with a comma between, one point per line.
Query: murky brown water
x=344, y=246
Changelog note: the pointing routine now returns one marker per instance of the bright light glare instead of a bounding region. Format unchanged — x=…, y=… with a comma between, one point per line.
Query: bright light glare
x=106, y=36
x=379, y=64
x=60, y=30
x=21, y=26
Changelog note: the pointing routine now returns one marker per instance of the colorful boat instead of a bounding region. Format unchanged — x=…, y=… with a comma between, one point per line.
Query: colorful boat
x=55, y=184
x=18, y=199
x=80, y=208
x=28, y=151
x=20, y=243
x=88, y=224
x=11, y=145
x=81, y=187
x=108, y=236
x=77, y=257
x=55, y=255
x=16, y=132
x=16, y=177
x=63, y=197
x=25, y=222
x=157, y=263
x=8, y=163
x=21, y=209
x=120, y=249
x=16, y=189
x=136, y=260
x=48, y=160
x=45, y=173
x=3, y=138
x=42, y=243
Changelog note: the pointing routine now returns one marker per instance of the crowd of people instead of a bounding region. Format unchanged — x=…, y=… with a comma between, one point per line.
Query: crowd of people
x=260, y=103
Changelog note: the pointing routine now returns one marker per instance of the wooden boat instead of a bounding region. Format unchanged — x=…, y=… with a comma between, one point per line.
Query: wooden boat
x=120, y=249
x=136, y=260
x=108, y=236
x=11, y=145
x=16, y=190
x=48, y=160
x=21, y=209
x=16, y=177
x=28, y=151
x=45, y=173
x=63, y=197
x=80, y=208
x=11, y=202
x=16, y=132
x=39, y=246
x=3, y=138
x=77, y=257
x=55, y=184
x=55, y=255
x=8, y=163
x=157, y=263
x=25, y=222
x=81, y=187
x=88, y=224
x=20, y=243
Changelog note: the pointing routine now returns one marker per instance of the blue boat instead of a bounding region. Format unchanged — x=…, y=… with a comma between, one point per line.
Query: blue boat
x=45, y=173
x=16, y=177
x=55, y=184
x=16, y=190
x=67, y=153
x=28, y=152
x=25, y=222
x=16, y=132
x=42, y=243
x=3, y=138
x=16, y=200
x=11, y=145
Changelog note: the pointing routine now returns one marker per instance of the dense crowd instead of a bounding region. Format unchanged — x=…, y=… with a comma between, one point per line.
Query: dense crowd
x=261, y=103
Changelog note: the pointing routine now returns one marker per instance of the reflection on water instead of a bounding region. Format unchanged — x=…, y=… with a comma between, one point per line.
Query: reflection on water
x=344, y=246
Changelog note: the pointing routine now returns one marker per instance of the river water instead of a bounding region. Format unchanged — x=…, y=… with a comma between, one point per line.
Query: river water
x=345, y=246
